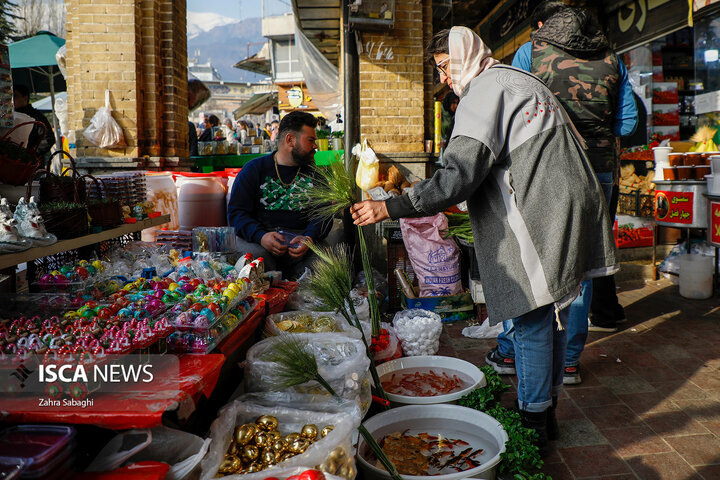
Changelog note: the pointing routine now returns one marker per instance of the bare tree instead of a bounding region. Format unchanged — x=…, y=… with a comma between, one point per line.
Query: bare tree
x=36, y=15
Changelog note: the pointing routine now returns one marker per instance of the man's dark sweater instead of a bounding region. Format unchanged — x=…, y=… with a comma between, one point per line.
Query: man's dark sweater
x=260, y=203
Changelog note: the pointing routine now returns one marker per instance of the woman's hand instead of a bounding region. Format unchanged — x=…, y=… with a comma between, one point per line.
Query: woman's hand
x=369, y=212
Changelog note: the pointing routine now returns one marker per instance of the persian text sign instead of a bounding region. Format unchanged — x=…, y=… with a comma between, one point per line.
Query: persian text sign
x=714, y=224
x=638, y=21
x=674, y=207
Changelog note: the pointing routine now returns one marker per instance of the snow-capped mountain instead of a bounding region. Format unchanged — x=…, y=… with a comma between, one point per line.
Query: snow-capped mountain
x=201, y=22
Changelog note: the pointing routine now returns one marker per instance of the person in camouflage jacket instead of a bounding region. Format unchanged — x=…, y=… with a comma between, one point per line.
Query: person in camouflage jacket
x=572, y=56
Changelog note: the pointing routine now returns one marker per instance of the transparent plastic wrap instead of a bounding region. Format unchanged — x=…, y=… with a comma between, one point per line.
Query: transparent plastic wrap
x=341, y=361
x=198, y=335
x=333, y=453
x=419, y=331
x=104, y=131
x=304, y=321
x=392, y=350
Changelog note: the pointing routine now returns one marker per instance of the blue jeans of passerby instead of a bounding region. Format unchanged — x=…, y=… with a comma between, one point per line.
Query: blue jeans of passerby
x=577, y=325
x=539, y=357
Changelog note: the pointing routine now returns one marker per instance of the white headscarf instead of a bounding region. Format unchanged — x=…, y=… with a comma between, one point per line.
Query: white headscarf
x=469, y=57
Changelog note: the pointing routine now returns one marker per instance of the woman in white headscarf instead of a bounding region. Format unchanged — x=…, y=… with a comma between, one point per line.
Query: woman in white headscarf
x=539, y=220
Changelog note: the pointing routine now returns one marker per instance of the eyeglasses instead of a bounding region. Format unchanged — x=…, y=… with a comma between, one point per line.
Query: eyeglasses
x=441, y=69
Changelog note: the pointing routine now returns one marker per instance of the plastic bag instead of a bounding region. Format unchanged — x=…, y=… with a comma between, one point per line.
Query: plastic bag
x=419, y=331
x=393, y=349
x=292, y=411
x=368, y=170
x=308, y=322
x=341, y=360
x=484, y=330
x=435, y=260
x=181, y=450
x=104, y=131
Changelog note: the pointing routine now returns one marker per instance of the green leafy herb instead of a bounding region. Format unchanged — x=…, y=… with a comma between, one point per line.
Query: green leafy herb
x=321, y=134
x=520, y=458
x=338, y=134
x=459, y=227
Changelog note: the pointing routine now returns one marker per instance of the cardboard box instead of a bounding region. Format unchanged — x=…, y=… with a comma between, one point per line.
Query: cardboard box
x=451, y=308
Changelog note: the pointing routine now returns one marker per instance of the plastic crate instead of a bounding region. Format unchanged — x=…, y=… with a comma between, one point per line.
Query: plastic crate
x=636, y=204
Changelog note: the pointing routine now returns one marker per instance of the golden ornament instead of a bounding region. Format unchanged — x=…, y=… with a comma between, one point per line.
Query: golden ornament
x=244, y=433
x=254, y=467
x=291, y=437
x=250, y=453
x=279, y=446
x=326, y=429
x=347, y=472
x=267, y=423
x=262, y=439
x=233, y=449
x=274, y=436
x=268, y=457
x=309, y=431
x=231, y=464
x=299, y=445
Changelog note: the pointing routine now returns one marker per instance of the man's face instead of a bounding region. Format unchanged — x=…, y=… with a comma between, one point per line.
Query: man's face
x=19, y=100
x=303, y=145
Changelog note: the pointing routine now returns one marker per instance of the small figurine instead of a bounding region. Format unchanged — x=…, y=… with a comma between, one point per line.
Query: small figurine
x=31, y=224
x=10, y=241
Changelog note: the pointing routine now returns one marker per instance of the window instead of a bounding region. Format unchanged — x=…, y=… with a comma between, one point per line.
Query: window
x=286, y=65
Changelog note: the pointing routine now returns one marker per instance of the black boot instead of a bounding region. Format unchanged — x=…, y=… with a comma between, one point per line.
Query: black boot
x=538, y=422
x=553, y=430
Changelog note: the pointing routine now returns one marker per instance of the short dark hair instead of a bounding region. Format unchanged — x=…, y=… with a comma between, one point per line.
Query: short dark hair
x=545, y=10
x=22, y=90
x=448, y=100
x=294, y=121
x=214, y=121
x=438, y=44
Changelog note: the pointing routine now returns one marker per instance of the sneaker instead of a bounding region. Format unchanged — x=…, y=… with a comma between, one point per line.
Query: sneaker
x=571, y=376
x=597, y=328
x=502, y=365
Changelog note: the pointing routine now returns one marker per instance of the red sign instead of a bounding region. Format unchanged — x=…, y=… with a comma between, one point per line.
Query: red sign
x=714, y=223
x=674, y=207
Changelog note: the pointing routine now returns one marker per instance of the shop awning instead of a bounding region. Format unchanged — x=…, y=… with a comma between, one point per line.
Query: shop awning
x=257, y=104
x=320, y=21
x=258, y=63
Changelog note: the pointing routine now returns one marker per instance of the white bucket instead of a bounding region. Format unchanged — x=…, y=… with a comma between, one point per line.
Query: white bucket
x=696, y=276
x=661, y=155
x=201, y=201
x=715, y=164
x=161, y=191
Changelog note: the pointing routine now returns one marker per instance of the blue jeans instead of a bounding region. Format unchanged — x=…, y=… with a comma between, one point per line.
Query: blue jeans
x=540, y=354
x=577, y=325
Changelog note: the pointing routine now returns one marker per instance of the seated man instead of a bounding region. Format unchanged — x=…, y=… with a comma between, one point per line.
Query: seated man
x=269, y=195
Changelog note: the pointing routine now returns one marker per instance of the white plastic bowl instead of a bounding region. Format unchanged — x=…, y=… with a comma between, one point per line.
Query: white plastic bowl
x=436, y=362
x=452, y=421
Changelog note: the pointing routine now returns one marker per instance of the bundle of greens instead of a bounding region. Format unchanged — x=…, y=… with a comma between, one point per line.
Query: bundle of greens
x=459, y=227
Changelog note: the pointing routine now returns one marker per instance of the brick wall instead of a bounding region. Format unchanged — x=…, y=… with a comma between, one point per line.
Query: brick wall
x=393, y=91
x=137, y=50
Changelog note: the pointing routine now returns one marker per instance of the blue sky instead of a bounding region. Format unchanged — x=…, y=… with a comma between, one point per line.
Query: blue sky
x=239, y=9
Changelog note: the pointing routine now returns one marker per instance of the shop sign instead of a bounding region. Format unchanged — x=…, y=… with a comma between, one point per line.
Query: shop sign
x=674, y=207
x=294, y=97
x=639, y=21
x=508, y=20
x=715, y=223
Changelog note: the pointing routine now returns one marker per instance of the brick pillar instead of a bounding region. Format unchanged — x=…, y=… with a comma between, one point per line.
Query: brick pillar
x=137, y=50
x=392, y=91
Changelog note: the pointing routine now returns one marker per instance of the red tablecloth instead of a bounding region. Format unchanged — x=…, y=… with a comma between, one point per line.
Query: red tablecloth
x=244, y=331
x=198, y=375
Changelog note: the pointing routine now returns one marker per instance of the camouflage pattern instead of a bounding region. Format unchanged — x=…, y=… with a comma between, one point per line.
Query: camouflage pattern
x=572, y=56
